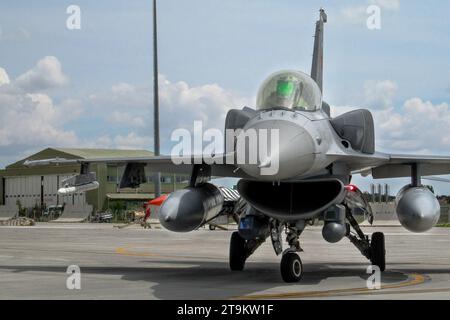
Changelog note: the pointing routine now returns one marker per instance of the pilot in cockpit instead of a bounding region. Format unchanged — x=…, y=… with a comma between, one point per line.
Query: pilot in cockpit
x=290, y=90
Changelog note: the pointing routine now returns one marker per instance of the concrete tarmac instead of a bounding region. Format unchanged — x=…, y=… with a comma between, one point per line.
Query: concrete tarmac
x=134, y=263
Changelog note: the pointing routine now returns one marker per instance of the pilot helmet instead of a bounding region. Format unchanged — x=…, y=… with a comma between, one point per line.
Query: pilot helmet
x=288, y=89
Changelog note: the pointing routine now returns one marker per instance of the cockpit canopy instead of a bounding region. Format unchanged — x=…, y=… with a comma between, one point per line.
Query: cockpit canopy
x=290, y=89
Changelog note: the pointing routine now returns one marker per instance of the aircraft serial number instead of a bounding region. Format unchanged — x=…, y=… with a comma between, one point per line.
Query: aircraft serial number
x=226, y=310
x=236, y=309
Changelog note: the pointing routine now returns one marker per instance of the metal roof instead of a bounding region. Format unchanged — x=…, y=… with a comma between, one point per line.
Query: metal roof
x=104, y=153
x=88, y=154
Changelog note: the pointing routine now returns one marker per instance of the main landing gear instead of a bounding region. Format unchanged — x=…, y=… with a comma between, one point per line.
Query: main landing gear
x=373, y=249
x=378, y=251
x=291, y=266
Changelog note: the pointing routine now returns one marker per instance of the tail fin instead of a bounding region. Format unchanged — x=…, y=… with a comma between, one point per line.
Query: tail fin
x=317, y=64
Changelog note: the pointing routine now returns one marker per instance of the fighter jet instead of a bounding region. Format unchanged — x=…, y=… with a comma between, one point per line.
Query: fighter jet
x=317, y=155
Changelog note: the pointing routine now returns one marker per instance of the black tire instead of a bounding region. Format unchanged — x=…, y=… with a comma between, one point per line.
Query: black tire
x=378, y=251
x=291, y=267
x=211, y=227
x=237, y=252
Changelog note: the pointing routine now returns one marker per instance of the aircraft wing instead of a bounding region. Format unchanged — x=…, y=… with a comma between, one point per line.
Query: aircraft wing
x=399, y=166
x=157, y=164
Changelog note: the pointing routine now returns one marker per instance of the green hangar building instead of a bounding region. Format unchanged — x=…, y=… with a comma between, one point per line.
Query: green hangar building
x=33, y=187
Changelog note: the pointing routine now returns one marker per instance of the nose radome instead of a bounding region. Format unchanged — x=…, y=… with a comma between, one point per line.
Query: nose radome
x=289, y=156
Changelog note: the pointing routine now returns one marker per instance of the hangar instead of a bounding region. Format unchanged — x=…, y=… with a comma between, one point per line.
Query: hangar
x=37, y=187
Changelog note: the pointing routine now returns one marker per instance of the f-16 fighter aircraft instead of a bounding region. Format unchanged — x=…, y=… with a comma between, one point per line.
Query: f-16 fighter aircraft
x=316, y=157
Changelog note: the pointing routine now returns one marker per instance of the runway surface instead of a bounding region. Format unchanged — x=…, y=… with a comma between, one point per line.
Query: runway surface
x=134, y=263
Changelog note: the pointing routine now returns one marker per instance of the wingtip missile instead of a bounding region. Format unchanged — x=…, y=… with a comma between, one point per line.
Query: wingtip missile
x=69, y=190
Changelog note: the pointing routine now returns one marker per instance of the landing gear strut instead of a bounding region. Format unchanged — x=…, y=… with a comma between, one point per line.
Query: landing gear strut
x=291, y=265
x=373, y=250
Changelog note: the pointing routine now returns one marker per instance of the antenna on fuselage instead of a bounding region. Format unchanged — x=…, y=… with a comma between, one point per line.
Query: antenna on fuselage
x=157, y=151
x=317, y=63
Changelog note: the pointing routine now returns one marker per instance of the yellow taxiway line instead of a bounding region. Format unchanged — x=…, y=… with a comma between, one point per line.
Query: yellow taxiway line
x=413, y=280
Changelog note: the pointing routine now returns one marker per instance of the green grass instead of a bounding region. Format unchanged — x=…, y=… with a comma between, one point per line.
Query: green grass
x=444, y=225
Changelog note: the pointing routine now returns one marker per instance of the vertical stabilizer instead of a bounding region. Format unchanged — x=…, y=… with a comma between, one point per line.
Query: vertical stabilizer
x=317, y=64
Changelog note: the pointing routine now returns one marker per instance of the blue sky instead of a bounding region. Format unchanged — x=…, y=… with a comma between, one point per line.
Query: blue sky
x=213, y=56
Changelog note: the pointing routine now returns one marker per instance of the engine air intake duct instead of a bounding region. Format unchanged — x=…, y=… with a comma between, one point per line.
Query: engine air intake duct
x=292, y=200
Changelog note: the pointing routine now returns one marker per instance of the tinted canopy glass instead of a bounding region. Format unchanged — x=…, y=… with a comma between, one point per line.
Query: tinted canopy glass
x=290, y=89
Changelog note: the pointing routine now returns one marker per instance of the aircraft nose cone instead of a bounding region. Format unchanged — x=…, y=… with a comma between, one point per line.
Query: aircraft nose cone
x=290, y=150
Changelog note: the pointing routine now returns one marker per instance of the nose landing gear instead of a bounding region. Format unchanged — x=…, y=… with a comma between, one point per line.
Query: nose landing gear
x=291, y=267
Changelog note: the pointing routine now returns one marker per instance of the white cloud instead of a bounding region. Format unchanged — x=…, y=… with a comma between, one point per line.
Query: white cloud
x=125, y=119
x=355, y=14
x=47, y=74
x=208, y=103
x=417, y=126
x=131, y=106
x=392, y=5
x=32, y=120
x=379, y=94
x=131, y=141
x=4, y=78
x=123, y=96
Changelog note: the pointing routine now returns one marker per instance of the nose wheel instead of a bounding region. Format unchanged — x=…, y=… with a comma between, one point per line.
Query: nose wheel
x=291, y=267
